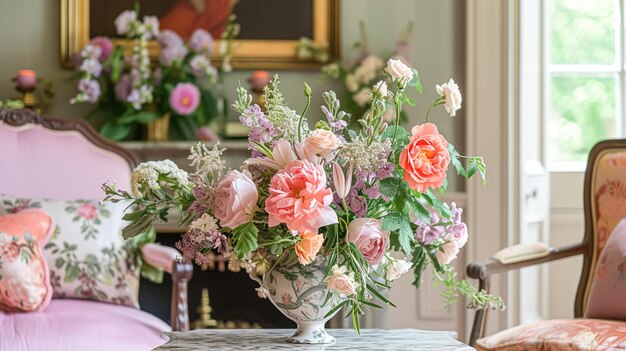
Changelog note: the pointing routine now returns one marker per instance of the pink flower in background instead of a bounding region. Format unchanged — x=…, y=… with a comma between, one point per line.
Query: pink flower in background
x=185, y=98
x=426, y=158
x=105, y=45
x=123, y=87
x=369, y=237
x=235, y=199
x=206, y=134
x=299, y=198
x=87, y=211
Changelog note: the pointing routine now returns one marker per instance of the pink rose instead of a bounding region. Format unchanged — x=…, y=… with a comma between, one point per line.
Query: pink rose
x=340, y=282
x=87, y=211
x=235, y=199
x=425, y=159
x=321, y=142
x=369, y=237
x=299, y=198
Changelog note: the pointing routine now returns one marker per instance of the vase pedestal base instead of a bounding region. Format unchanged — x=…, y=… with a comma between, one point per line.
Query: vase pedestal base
x=311, y=333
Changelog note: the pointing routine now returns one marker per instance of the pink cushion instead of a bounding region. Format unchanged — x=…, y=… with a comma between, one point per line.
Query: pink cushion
x=68, y=325
x=559, y=335
x=60, y=165
x=607, y=296
x=24, y=279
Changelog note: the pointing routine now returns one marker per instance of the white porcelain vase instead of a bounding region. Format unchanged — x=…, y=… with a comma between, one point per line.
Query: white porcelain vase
x=299, y=292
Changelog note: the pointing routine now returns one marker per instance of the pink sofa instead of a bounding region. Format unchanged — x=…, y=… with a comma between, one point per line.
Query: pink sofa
x=63, y=160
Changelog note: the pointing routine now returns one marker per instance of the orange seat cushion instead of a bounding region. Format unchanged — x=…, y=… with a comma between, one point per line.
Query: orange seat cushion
x=559, y=335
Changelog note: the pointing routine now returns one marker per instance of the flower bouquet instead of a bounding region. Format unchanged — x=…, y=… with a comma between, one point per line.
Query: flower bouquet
x=130, y=92
x=315, y=213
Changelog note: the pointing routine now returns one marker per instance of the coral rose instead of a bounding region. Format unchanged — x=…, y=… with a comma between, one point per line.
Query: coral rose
x=425, y=159
x=299, y=198
x=369, y=237
x=321, y=142
x=235, y=199
x=308, y=247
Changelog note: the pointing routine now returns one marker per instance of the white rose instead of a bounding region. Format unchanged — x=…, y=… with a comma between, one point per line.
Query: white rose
x=399, y=72
x=397, y=268
x=453, y=98
x=381, y=88
x=363, y=97
x=352, y=83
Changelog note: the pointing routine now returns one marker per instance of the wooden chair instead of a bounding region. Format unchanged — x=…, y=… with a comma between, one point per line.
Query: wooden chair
x=606, y=169
x=42, y=157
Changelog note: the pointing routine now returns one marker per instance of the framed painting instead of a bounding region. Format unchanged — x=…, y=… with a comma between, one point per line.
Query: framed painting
x=268, y=38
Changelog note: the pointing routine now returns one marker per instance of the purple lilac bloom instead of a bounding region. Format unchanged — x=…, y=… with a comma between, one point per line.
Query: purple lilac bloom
x=261, y=129
x=458, y=228
x=91, y=66
x=357, y=203
x=219, y=241
x=427, y=232
x=385, y=170
x=172, y=54
x=90, y=89
x=168, y=38
x=201, y=42
x=201, y=66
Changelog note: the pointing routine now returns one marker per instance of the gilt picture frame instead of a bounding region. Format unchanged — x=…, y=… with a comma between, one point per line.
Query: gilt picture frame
x=248, y=52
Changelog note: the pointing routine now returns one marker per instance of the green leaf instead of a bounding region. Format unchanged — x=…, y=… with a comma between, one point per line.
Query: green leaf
x=137, y=227
x=114, y=131
x=71, y=273
x=336, y=308
x=389, y=187
x=454, y=159
x=245, y=239
x=419, y=265
x=375, y=292
x=399, y=225
x=418, y=209
x=437, y=204
x=143, y=117
x=59, y=262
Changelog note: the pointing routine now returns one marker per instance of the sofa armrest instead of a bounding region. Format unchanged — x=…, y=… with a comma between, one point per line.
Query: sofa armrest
x=483, y=270
x=160, y=256
x=170, y=261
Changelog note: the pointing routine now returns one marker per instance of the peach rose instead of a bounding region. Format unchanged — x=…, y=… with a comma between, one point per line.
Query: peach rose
x=340, y=282
x=299, y=198
x=321, y=142
x=235, y=199
x=308, y=247
x=369, y=237
x=425, y=159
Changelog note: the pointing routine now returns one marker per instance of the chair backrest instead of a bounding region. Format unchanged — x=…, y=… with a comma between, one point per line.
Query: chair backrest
x=43, y=157
x=605, y=206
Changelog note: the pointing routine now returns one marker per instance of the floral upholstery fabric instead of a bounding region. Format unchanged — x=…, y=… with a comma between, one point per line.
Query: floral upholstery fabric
x=87, y=256
x=609, y=187
x=24, y=281
x=559, y=335
x=608, y=289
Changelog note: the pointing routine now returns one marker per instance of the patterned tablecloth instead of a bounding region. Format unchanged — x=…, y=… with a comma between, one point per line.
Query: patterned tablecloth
x=347, y=339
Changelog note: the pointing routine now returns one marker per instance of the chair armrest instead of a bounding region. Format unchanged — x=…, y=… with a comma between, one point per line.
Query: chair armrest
x=483, y=270
x=168, y=259
x=491, y=266
x=160, y=256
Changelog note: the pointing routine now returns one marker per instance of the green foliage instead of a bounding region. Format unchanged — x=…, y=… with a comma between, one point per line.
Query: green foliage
x=474, y=164
x=245, y=239
x=401, y=234
x=453, y=288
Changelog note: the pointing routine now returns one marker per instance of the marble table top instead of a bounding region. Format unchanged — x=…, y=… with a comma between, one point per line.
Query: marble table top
x=347, y=339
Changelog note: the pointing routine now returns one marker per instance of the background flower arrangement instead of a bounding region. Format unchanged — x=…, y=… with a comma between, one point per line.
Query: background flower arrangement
x=351, y=197
x=130, y=91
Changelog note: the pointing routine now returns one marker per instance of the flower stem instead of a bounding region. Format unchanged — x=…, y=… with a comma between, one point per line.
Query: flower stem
x=307, y=92
x=397, y=108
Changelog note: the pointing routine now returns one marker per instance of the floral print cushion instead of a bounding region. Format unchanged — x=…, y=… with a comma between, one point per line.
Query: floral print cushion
x=609, y=186
x=559, y=335
x=24, y=281
x=87, y=255
x=607, y=296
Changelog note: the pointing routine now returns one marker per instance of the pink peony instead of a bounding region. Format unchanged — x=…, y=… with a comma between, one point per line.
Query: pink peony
x=299, y=198
x=426, y=158
x=235, y=199
x=369, y=237
x=105, y=45
x=87, y=211
x=185, y=98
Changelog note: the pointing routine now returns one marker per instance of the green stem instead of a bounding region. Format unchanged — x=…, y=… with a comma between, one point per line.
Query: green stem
x=306, y=108
x=397, y=108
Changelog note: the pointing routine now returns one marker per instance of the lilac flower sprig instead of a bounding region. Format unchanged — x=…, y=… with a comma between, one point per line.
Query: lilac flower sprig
x=336, y=118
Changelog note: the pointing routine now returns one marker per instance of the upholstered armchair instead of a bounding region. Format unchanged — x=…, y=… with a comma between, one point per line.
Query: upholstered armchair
x=600, y=305
x=46, y=158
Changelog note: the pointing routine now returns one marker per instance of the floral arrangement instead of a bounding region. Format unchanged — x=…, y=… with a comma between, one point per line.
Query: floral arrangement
x=128, y=91
x=353, y=197
x=359, y=77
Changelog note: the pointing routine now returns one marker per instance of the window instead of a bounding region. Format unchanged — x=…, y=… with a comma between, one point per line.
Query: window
x=585, y=78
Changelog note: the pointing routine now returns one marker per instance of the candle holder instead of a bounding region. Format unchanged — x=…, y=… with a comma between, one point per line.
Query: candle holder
x=26, y=83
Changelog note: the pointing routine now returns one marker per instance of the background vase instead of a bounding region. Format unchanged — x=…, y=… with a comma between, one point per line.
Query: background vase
x=159, y=129
x=299, y=292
